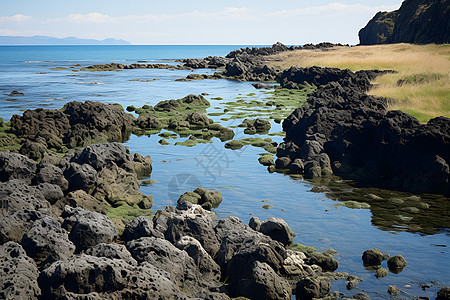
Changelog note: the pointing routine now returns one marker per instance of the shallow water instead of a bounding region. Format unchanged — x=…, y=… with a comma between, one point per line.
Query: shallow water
x=397, y=223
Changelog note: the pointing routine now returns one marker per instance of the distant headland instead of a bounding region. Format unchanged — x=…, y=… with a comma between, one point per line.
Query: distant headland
x=47, y=40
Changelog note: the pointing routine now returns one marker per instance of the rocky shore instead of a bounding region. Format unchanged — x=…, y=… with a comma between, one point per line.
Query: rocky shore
x=55, y=239
x=69, y=169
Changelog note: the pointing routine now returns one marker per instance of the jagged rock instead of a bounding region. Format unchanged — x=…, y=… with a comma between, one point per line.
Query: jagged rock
x=78, y=124
x=206, y=265
x=254, y=223
x=310, y=288
x=80, y=198
x=18, y=279
x=13, y=226
x=16, y=166
x=48, y=173
x=163, y=255
x=396, y=263
x=327, y=263
x=110, y=278
x=22, y=196
x=107, y=172
x=188, y=220
x=47, y=242
x=140, y=227
x=261, y=282
x=278, y=230
x=88, y=228
x=112, y=251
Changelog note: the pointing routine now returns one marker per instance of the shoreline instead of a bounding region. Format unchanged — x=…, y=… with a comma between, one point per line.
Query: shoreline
x=119, y=131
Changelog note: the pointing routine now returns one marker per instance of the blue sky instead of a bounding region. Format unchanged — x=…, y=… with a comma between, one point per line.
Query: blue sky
x=193, y=22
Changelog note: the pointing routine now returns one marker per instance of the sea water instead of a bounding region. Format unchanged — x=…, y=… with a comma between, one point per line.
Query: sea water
x=49, y=77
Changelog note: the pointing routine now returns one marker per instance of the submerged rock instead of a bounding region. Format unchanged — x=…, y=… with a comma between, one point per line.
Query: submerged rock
x=373, y=257
x=396, y=263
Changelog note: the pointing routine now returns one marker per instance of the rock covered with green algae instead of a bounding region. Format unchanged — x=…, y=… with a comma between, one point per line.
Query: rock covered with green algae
x=266, y=143
x=184, y=116
x=205, y=198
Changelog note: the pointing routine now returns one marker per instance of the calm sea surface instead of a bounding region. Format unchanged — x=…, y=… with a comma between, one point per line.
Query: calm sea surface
x=396, y=222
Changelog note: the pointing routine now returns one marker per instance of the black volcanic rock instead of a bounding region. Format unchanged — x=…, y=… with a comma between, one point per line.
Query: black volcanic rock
x=343, y=130
x=417, y=21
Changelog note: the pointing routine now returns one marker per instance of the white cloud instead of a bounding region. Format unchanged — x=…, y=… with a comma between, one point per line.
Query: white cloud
x=331, y=8
x=16, y=18
x=90, y=18
x=335, y=21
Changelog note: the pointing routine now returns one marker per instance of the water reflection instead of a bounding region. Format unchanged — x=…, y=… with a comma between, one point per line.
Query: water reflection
x=392, y=210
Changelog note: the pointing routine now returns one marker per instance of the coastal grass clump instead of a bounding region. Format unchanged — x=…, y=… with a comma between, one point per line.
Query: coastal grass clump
x=423, y=72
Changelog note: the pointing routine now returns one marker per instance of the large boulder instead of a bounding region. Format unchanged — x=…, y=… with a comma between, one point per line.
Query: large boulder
x=188, y=220
x=108, y=278
x=16, y=166
x=20, y=195
x=205, y=263
x=47, y=242
x=109, y=172
x=13, y=226
x=310, y=288
x=18, y=278
x=164, y=255
x=140, y=227
x=261, y=282
x=76, y=125
x=112, y=251
x=88, y=228
x=278, y=230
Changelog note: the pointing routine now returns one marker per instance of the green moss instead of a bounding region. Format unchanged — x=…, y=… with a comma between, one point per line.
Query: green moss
x=280, y=133
x=302, y=248
x=353, y=204
x=164, y=142
x=213, y=114
x=149, y=182
x=191, y=143
x=217, y=98
x=58, y=69
x=267, y=206
x=168, y=135
x=127, y=213
x=266, y=144
x=266, y=160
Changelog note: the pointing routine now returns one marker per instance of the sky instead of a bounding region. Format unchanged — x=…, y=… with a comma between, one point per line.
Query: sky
x=194, y=22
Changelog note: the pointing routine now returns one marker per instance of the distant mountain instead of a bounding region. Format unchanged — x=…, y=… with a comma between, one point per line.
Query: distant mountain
x=417, y=21
x=47, y=40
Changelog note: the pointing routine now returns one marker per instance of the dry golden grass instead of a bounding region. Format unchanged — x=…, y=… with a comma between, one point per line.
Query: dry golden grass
x=426, y=67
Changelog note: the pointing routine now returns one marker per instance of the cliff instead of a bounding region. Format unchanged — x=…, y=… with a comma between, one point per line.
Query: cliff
x=417, y=21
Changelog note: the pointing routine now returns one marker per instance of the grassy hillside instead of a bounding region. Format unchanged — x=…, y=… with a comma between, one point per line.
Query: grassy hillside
x=421, y=87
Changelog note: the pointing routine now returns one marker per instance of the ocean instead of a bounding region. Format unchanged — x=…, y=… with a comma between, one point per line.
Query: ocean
x=49, y=77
